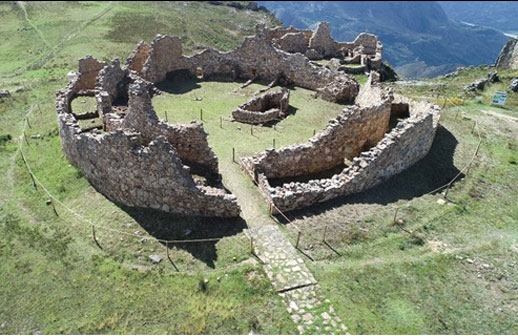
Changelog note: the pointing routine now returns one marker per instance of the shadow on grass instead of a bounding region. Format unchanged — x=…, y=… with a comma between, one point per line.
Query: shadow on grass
x=433, y=171
x=166, y=226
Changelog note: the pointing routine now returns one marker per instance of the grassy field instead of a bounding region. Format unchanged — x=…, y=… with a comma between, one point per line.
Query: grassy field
x=55, y=278
x=448, y=268
x=457, y=272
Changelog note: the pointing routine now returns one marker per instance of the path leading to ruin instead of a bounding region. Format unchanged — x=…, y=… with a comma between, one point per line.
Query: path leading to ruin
x=283, y=265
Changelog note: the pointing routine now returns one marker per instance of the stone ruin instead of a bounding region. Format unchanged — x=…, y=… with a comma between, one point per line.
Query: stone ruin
x=362, y=55
x=137, y=160
x=376, y=138
x=269, y=106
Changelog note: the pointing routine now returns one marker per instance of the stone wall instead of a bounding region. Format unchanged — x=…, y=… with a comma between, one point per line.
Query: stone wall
x=356, y=129
x=385, y=156
x=138, y=57
x=189, y=140
x=89, y=67
x=366, y=49
x=256, y=58
x=140, y=161
x=269, y=106
x=406, y=144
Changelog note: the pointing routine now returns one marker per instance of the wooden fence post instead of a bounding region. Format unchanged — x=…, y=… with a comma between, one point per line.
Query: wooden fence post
x=95, y=238
x=448, y=189
x=30, y=173
x=26, y=140
x=394, y=220
x=298, y=239
x=478, y=147
x=324, y=236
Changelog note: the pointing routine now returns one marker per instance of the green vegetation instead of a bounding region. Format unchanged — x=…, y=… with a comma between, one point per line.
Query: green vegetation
x=456, y=272
x=54, y=277
x=447, y=268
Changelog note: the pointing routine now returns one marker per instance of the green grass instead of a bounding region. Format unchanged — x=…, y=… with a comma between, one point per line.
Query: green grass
x=56, y=280
x=457, y=273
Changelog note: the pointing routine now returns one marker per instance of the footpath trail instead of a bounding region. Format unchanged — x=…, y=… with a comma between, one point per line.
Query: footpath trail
x=283, y=264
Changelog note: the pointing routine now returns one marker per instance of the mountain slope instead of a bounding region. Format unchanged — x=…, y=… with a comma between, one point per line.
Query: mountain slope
x=500, y=15
x=416, y=35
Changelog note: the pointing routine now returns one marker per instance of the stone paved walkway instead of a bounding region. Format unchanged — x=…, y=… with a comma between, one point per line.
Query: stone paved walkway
x=291, y=278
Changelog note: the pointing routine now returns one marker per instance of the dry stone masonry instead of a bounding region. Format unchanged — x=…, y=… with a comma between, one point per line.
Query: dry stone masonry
x=267, y=107
x=136, y=159
x=364, y=54
x=360, y=137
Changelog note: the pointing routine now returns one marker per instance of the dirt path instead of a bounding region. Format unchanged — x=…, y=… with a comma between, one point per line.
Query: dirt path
x=21, y=4
x=282, y=263
x=500, y=115
x=41, y=61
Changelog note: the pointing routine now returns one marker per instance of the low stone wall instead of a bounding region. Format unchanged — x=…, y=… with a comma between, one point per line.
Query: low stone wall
x=356, y=129
x=269, y=106
x=406, y=144
x=140, y=161
x=387, y=154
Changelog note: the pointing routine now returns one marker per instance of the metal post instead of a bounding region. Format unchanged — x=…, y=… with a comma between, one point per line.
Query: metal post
x=252, y=129
x=28, y=123
x=478, y=147
x=233, y=154
x=201, y=114
x=314, y=132
x=273, y=142
x=39, y=108
x=472, y=128
x=456, y=114
x=220, y=122
x=251, y=244
x=166, y=118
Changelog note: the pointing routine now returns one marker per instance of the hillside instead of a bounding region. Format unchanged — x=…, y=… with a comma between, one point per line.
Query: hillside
x=499, y=15
x=447, y=265
x=55, y=279
x=419, y=39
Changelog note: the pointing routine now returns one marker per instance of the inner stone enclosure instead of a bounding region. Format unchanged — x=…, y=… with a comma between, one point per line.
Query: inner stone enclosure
x=137, y=159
